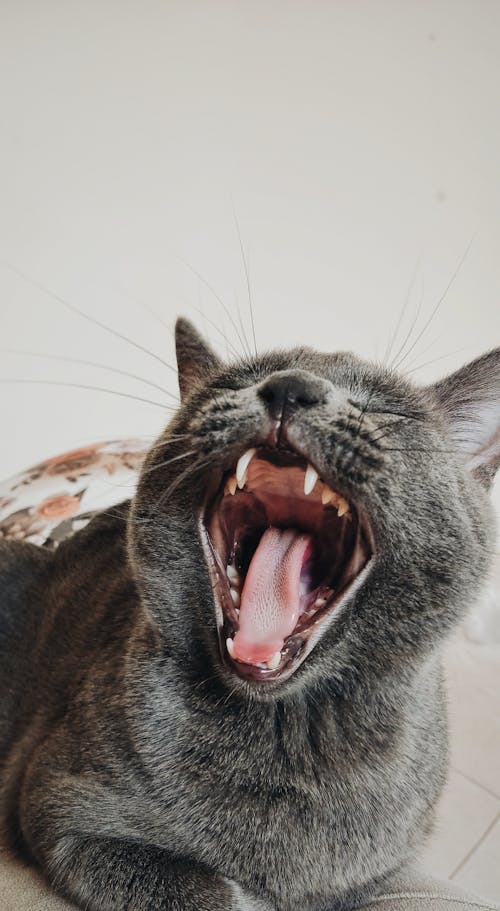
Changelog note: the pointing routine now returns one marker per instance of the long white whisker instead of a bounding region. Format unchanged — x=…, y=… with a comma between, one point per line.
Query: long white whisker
x=413, y=323
x=143, y=306
x=149, y=471
x=228, y=313
x=440, y=301
x=240, y=318
x=84, y=315
x=76, y=360
x=247, y=276
x=421, y=353
x=434, y=360
x=125, y=395
x=198, y=466
x=402, y=313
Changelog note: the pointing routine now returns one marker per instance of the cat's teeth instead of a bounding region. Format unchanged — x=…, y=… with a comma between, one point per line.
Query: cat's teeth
x=231, y=485
x=320, y=602
x=233, y=574
x=274, y=662
x=327, y=496
x=310, y=479
x=342, y=507
x=230, y=647
x=235, y=596
x=242, y=467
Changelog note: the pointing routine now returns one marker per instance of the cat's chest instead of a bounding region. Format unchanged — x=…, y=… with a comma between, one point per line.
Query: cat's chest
x=267, y=811
x=249, y=818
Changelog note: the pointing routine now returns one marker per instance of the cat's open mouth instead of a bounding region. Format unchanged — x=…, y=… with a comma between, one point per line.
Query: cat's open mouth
x=284, y=550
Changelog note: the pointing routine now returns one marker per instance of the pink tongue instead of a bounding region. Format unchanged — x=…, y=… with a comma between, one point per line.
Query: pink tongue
x=270, y=601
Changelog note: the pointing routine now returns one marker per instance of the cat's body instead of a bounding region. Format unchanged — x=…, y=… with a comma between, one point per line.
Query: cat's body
x=137, y=768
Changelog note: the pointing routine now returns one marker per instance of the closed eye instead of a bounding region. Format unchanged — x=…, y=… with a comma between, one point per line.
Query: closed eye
x=415, y=415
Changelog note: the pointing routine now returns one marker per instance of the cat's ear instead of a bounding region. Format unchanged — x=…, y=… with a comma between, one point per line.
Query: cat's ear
x=195, y=359
x=470, y=399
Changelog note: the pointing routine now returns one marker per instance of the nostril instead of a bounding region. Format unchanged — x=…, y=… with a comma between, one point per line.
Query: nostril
x=308, y=398
x=268, y=394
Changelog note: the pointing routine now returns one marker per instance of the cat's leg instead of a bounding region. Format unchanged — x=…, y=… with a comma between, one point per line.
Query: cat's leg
x=90, y=859
x=111, y=875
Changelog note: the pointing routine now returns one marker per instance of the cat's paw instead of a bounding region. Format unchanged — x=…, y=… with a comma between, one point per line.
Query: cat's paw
x=243, y=901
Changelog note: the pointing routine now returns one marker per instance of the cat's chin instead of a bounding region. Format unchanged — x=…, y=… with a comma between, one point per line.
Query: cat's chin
x=285, y=552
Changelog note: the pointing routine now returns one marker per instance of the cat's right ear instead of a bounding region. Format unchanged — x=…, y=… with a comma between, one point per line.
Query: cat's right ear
x=470, y=399
x=195, y=359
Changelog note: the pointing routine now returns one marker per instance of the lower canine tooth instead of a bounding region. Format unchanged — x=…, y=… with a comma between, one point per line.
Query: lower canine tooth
x=230, y=647
x=320, y=602
x=274, y=661
x=310, y=479
x=235, y=596
x=231, y=485
x=342, y=507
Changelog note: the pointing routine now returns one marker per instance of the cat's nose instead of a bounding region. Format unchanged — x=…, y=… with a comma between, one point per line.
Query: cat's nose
x=290, y=390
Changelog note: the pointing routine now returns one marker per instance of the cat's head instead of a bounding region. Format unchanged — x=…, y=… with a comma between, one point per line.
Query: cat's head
x=306, y=515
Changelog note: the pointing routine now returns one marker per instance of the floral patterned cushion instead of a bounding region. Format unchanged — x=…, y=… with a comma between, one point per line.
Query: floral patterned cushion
x=47, y=503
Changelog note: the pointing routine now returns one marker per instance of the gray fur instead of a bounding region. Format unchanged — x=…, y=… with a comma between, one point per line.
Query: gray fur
x=136, y=770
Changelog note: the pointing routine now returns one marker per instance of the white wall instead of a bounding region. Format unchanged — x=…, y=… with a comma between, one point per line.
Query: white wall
x=353, y=139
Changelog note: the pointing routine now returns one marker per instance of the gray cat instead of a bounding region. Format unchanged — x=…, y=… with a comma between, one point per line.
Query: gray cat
x=227, y=694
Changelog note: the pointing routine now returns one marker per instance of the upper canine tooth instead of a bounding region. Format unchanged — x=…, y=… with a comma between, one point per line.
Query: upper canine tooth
x=242, y=466
x=342, y=506
x=230, y=646
x=327, y=496
x=310, y=479
x=231, y=485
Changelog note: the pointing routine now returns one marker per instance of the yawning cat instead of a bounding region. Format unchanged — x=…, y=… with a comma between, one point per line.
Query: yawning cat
x=227, y=694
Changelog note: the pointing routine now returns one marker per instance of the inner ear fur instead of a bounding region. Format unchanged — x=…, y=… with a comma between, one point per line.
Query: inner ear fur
x=470, y=399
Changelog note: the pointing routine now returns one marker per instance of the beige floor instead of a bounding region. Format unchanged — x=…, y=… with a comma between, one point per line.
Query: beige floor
x=466, y=846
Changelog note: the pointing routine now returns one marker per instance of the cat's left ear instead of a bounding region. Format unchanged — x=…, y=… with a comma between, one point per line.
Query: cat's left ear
x=195, y=359
x=470, y=399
